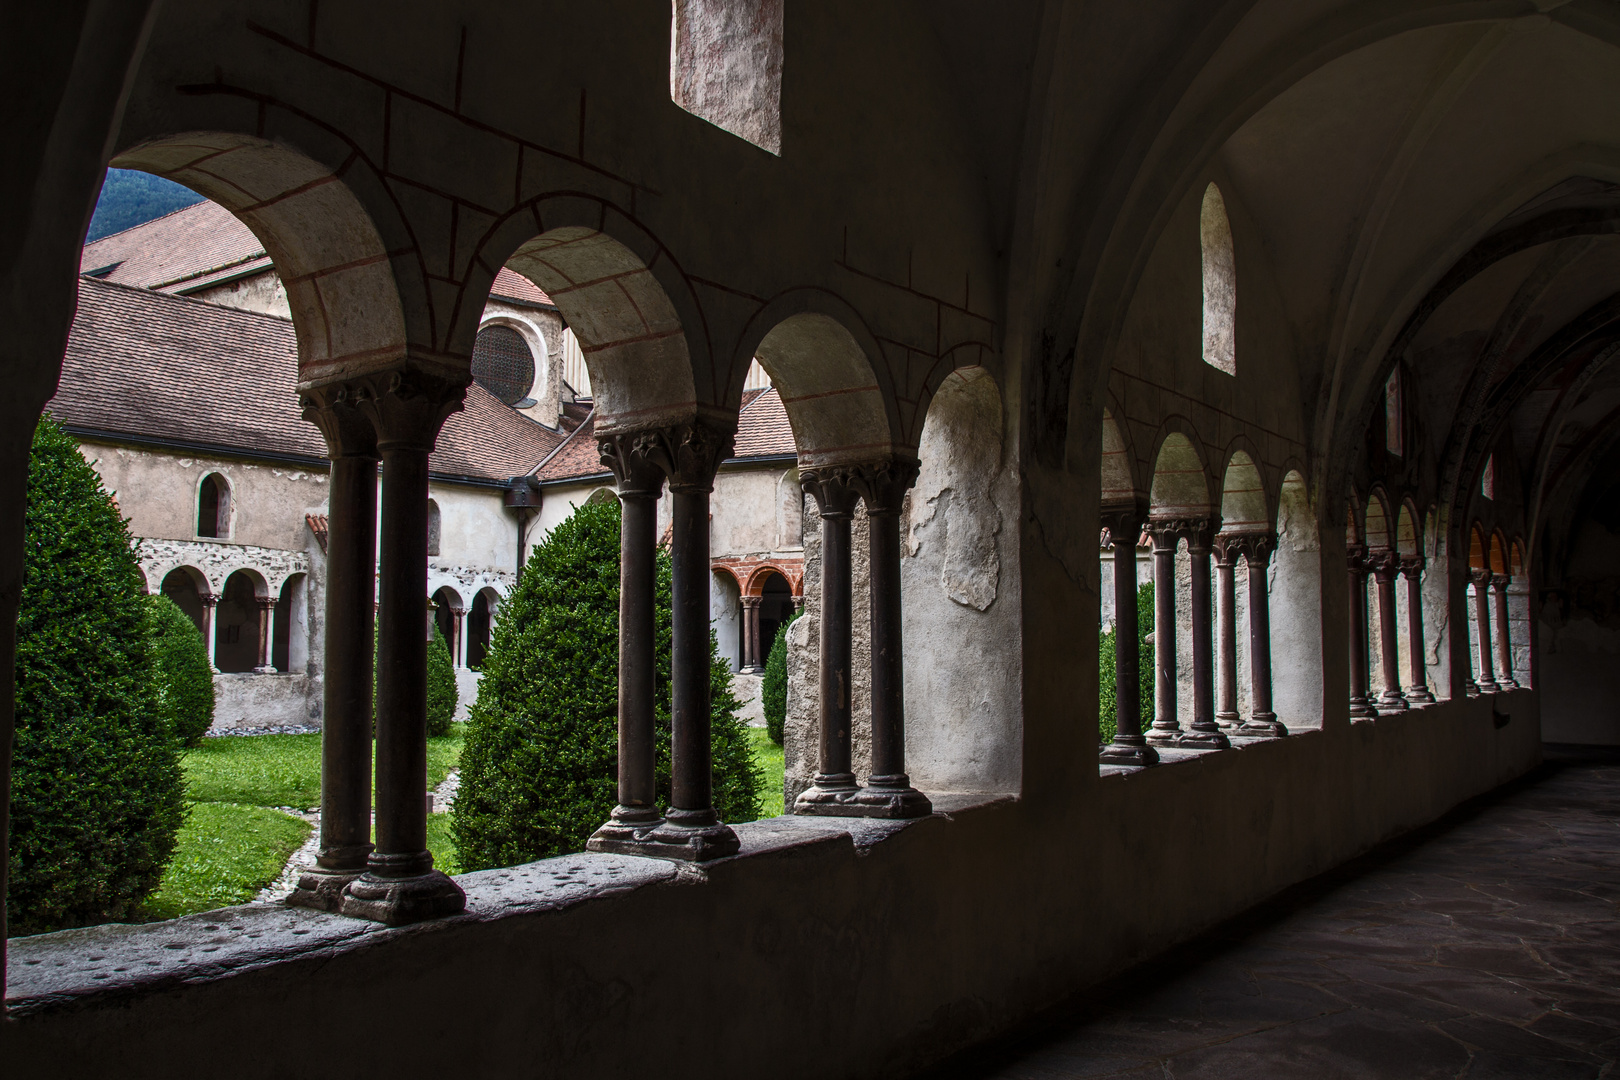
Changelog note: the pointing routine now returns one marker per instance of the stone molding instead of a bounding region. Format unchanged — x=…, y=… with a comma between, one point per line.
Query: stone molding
x=217, y=561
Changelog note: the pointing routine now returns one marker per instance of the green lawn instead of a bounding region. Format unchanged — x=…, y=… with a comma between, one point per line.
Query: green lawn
x=226, y=853
x=234, y=843
x=769, y=757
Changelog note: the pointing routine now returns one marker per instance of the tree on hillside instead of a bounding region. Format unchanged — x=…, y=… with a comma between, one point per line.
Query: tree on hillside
x=185, y=677
x=96, y=794
x=539, y=769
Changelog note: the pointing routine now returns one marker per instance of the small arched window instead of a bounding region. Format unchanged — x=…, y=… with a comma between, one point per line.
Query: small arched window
x=435, y=527
x=503, y=364
x=1220, y=283
x=214, y=507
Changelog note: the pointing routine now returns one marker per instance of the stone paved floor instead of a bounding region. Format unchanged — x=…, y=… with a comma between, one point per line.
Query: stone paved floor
x=1486, y=946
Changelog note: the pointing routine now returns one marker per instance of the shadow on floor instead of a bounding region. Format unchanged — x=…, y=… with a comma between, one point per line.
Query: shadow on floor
x=1485, y=944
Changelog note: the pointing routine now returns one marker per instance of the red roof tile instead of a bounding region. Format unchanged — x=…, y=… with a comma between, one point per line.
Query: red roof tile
x=187, y=249
x=514, y=286
x=148, y=365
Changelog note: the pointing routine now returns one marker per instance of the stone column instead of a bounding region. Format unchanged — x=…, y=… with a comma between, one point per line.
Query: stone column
x=1166, y=730
x=750, y=633
x=1486, y=680
x=691, y=829
x=1384, y=568
x=346, y=712
x=1262, y=723
x=1360, y=707
x=267, y=610
x=1226, y=702
x=1417, y=691
x=836, y=495
x=638, y=463
x=888, y=792
x=1504, y=636
x=1130, y=746
x=458, y=636
x=399, y=886
x=1203, y=733
x=210, y=604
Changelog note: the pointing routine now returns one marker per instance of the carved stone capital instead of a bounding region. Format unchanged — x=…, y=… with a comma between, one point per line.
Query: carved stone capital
x=1481, y=578
x=883, y=484
x=751, y=601
x=636, y=461
x=1500, y=582
x=407, y=408
x=1355, y=558
x=335, y=411
x=1198, y=532
x=834, y=488
x=1412, y=567
x=1123, y=520
x=687, y=454
x=1383, y=564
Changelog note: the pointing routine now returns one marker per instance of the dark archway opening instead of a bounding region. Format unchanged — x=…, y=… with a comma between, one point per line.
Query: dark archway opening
x=775, y=609
x=478, y=632
x=236, y=630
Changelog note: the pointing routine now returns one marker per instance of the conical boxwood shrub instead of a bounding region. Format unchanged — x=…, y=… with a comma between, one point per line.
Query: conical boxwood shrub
x=185, y=678
x=441, y=686
x=96, y=796
x=773, y=687
x=539, y=769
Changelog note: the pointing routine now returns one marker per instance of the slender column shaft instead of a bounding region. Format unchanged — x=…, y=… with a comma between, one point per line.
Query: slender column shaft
x=1418, y=673
x=753, y=645
x=835, y=652
x=1390, y=699
x=1226, y=703
x=1203, y=731
x=402, y=667
x=1166, y=725
x=1482, y=628
x=888, y=672
x=1262, y=721
x=1129, y=746
x=346, y=713
x=691, y=782
x=1360, y=707
x=638, y=661
x=458, y=637
x=267, y=609
x=210, y=606
x=1504, y=635
x=406, y=410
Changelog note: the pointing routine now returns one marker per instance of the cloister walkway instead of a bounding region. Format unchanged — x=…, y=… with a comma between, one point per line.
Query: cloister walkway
x=1484, y=946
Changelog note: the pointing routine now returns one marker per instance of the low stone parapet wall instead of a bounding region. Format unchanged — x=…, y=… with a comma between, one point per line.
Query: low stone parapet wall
x=252, y=700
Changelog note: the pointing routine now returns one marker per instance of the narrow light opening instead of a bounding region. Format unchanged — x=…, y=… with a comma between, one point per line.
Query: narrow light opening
x=725, y=66
x=1220, y=283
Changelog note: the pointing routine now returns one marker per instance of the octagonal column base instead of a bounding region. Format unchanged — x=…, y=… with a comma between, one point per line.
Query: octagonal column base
x=322, y=889
x=1204, y=736
x=399, y=901
x=626, y=831
x=1419, y=695
x=1169, y=735
x=890, y=797
x=1130, y=751
x=1262, y=726
x=1392, y=702
x=687, y=835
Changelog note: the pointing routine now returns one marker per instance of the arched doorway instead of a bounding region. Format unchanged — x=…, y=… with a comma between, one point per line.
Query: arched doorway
x=236, y=624
x=775, y=610
x=182, y=587
x=447, y=615
x=478, y=624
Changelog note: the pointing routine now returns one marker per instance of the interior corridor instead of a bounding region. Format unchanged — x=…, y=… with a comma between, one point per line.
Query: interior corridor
x=1483, y=946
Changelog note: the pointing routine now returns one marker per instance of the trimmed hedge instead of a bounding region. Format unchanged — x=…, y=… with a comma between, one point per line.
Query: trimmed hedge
x=539, y=770
x=441, y=686
x=185, y=678
x=773, y=688
x=97, y=792
x=1107, y=704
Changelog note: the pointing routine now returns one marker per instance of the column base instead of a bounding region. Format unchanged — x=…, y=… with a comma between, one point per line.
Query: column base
x=1163, y=736
x=1391, y=701
x=322, y=889
x=625, y=833
x=692, y=836
x=399, y=901
x=1262, y=726
x=1361, y=709
x=1210, y=738
x=266, y=670
x=827, y=794
x=1487, y=686
x=1228, y=719
x=1419, y=695
x=1130, y=751
x=1506, y=684
x=890, y=797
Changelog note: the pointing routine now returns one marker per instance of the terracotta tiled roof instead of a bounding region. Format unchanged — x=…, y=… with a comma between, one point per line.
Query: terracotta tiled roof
x=515, y=286
x=188, y=249
x=762, y=427
x=147, y=365
x=762, y=431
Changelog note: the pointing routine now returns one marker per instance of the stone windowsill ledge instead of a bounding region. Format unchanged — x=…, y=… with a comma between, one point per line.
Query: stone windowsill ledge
x=1176, y=755
x=97, y=964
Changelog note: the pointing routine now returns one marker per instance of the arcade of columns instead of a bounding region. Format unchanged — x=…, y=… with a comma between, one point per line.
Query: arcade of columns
x=395, y=419
x=1215, y=713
